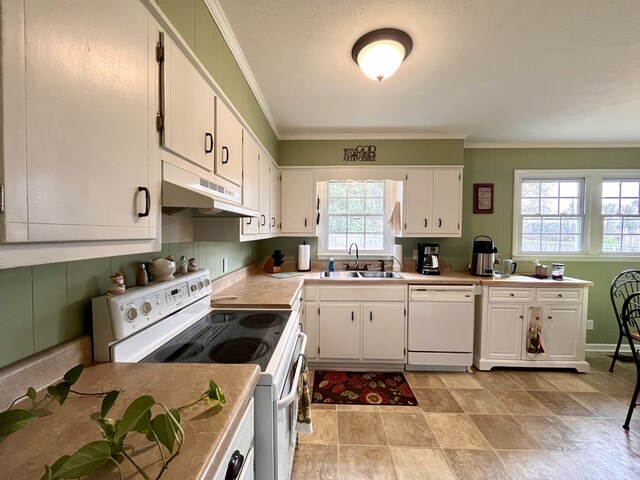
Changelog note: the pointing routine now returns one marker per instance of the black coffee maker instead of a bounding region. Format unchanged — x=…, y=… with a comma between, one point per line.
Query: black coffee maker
x=428, y=259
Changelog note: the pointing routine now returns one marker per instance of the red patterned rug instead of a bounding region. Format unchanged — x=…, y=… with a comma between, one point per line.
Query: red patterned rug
x=362, y=388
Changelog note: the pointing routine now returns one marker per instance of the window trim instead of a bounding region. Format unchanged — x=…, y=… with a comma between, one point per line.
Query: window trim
x=593, y=219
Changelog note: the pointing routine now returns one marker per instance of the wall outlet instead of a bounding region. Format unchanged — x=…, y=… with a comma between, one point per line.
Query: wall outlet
x=225, y=265
x=415, y=254
x=589, y=324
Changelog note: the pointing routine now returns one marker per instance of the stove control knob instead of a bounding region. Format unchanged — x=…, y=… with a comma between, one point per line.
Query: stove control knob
x=207, y=282
x=132, y=313
x=146, y=307
x=200, y=285
x=194, y=287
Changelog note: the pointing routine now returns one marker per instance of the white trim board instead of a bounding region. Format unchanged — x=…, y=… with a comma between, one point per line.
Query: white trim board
x=608, y=347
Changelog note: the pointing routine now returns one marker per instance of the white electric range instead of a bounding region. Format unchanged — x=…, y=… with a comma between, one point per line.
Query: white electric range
x=173, y=322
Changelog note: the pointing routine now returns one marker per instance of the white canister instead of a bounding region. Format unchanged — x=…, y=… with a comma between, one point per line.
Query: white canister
x=304, y=257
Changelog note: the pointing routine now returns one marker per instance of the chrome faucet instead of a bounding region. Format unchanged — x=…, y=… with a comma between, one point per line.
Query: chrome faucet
x=354, y=243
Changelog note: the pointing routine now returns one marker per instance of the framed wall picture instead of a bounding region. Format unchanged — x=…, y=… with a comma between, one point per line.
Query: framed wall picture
x=483, y=198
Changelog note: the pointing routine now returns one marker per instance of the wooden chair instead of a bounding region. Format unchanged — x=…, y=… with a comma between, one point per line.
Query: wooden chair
x=625, y=284
x=631, y=326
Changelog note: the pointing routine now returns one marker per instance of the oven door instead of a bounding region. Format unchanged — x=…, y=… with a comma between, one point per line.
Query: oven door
x=286, y=413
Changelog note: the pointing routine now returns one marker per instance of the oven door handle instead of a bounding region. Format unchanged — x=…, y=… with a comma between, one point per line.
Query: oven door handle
x=286, y=401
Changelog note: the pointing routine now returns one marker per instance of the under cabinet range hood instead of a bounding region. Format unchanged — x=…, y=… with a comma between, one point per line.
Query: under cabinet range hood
x=183, y=190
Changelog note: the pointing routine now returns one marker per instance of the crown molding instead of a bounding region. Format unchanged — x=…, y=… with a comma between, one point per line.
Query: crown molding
x=227, y=32
x=372, y=136
x=553, y=145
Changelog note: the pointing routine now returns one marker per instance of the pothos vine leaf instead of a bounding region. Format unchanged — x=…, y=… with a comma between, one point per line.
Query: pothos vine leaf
x=138, y=408
x=13, y=420
x=85, y=460
x=214, y=394
x=60, y=391
x=72, y=375
x=31, y=393
x=107, y=402
x=165, y=430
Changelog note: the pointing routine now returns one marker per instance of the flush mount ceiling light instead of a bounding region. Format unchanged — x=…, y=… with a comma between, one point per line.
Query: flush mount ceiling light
x=380, y=53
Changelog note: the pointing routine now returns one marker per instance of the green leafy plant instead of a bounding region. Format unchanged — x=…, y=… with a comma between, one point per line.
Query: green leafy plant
x=163, y=429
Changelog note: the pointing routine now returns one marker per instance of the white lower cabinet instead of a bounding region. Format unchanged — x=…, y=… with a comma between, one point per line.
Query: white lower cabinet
x=355, y=324
x=501, y=336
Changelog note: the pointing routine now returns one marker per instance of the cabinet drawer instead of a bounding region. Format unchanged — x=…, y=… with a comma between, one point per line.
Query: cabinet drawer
x=363, y=294
x=497, y=294
x=559, y=295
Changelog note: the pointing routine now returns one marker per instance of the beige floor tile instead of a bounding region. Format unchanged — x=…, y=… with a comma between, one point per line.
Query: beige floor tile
x=538, y=465
x=315, y=462
x=567, y=382
x=606, y=433
x=399, y=409
x=601, y=404
x=325, y=428
x=362, y=463
x=550, y=433
x=323, y=406
x=408, y=430
x=360, y=428
x=459, y=380
x=437, y=400
x=421, y=464
x=456, y=430
x=504, y=432
x=357, y=408
x=560, y=403
x=520, y=402
x=477, y=465
x=607, y=383
x=495, y=380
x=423, y=380
x=478, y=401
x=529, y=380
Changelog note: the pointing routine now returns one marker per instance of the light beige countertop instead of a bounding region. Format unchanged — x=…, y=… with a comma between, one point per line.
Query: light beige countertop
x=532, y=281
x=66, y=428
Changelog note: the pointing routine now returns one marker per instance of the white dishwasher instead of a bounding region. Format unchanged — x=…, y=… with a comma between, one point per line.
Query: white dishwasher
x=440, y=327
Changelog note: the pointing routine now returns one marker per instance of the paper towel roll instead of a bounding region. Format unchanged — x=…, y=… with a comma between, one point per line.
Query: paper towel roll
x=397, y=252
x=304, y=258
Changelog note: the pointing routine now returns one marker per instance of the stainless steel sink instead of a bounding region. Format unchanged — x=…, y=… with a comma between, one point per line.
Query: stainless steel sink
x=380, y=275
x=359, y=274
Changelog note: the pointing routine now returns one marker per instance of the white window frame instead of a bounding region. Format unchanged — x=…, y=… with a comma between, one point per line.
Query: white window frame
x=323, y=230
x=593, y=218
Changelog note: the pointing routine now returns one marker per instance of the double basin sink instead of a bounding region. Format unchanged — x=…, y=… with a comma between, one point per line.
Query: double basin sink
x=360, y=274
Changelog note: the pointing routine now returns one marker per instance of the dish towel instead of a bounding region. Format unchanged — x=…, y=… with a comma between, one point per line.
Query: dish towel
x=304, y=400
x=535, y=348
x=395, y=219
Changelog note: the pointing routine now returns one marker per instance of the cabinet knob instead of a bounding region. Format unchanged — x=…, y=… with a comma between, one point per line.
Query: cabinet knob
x=370, y=316
x=352, y=315
x=439, y=222
x=560, y=295
x=425, y=222
x=549, y=317
x=305, y=222
x=147, y=202
x=522, y=317
x=225, y=155
x=512, y=294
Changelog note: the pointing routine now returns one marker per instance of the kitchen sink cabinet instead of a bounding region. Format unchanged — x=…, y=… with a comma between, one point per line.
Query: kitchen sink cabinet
x=299, y=202
x=432, y=203
x=228, y=158
x=78, y=126
x=501, y=339
x=356, y=325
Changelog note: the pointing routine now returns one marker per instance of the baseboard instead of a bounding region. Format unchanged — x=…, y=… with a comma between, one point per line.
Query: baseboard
x=607, y=347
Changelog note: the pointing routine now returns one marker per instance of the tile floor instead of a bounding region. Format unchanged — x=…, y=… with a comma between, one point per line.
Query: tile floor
x=504, y=424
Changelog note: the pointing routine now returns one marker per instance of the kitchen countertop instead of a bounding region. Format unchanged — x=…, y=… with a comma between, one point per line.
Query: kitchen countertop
x=260, y=290
x=65, y=428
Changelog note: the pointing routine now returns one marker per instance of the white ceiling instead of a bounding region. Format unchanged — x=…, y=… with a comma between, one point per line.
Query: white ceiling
x=489, y=71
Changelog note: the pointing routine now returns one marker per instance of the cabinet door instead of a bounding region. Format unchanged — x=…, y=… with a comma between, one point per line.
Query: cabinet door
x=88, y=84
x=228, y=144
x=418, y=208
x=339, y=331
x=189, y=110
x=311, y=328
x=447, y=187
x=298, y=202
x=561, y=331
x=264, y=194
x=274, y=201
x=505, y=331
x=383, y=332
x=250, y=183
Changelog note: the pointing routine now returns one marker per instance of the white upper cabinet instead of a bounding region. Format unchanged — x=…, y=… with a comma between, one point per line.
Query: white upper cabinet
x=79, y=99
x=265, y=194
x=189, y=123
x=250, y=183
x=432, y=203
x=228, y=144
x=274, y=201
x=298, y=202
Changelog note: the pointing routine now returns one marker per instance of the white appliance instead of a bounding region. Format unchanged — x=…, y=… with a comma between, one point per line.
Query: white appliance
x=440, y=327
x=173, y=321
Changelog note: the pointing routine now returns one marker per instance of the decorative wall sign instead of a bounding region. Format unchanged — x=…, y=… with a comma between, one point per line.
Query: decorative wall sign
x=483, y=198
x=362, y=153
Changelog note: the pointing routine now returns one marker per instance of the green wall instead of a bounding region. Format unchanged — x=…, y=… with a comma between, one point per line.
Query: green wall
x=194, y=22
x=44, y=305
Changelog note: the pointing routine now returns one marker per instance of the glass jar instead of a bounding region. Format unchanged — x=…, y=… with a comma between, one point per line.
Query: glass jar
x=557, y=271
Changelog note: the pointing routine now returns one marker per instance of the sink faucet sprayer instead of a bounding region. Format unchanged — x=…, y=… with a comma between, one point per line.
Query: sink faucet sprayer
x=354, y=243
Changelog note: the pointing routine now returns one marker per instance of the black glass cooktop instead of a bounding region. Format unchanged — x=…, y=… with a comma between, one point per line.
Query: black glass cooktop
x=225, y=337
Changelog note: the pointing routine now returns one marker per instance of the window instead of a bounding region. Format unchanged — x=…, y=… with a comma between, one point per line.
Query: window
x=576, y=213
x=354, y=213
x=621, y=217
